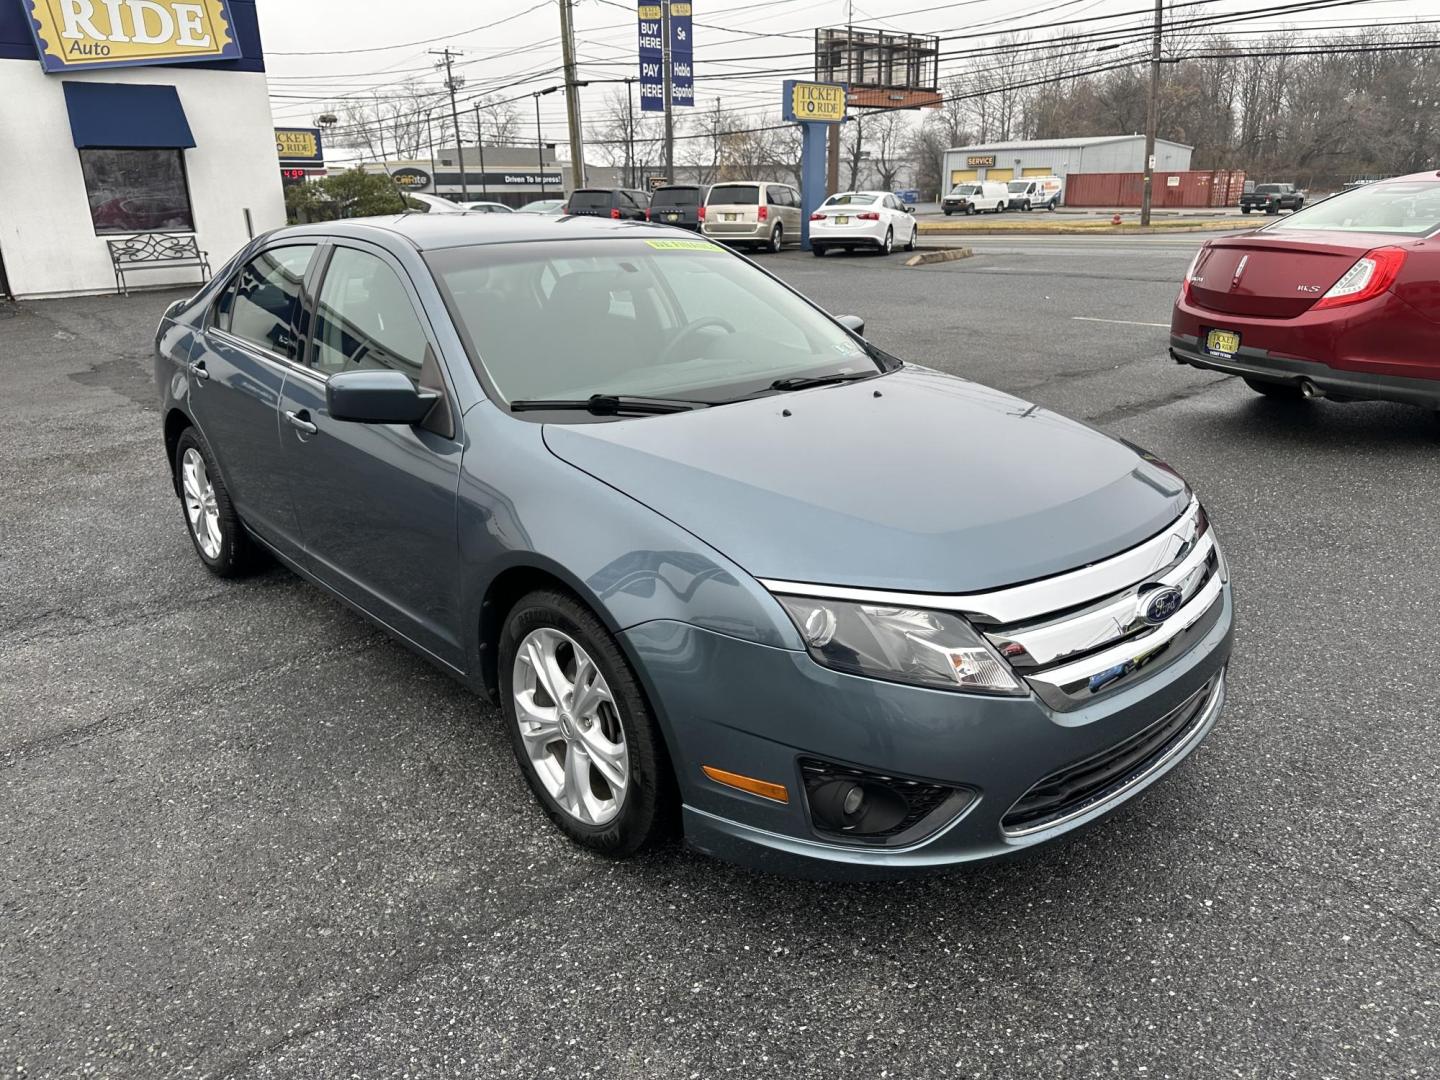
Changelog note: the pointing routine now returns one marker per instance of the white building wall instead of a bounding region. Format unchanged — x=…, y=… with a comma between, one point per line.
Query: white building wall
x=47, y=239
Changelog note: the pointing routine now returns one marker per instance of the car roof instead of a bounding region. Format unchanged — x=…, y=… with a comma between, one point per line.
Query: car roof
x=880, y=194
x=429, y=232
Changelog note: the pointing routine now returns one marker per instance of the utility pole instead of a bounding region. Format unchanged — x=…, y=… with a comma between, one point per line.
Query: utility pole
x=572, y=95
x=1152, y=117
x=452, y=86
x=480, y=143
x=630, y=134
x=539, y=145
x=669, y=110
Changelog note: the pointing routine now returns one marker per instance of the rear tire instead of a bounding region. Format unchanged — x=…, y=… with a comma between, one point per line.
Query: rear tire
x=623, y=820
x=1280, y=391
x=215, y=529
x=817, y=250
x=888, y=245
x=777, y=239
x=1245, y=210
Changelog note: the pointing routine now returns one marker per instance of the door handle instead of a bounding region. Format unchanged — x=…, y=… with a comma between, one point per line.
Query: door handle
x=299, y=421
x=197, y=368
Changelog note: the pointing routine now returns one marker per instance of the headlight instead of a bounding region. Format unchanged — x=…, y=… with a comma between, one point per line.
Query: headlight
x=928, y=648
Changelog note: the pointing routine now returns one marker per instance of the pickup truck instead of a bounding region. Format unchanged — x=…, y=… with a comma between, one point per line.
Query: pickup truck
x=1272, y=198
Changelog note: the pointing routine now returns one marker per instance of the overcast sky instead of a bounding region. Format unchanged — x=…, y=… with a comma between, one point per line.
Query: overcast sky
x=318, y=51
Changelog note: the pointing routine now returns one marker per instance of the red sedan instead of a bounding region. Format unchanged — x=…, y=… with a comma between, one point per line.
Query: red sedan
x=1339, y=300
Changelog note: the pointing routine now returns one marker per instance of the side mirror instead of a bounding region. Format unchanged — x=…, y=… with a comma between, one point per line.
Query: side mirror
x=854, y=323
x=377, y=397
x=909, y=209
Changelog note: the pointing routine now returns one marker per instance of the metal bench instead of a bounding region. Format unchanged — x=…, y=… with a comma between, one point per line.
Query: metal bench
x=155, y=251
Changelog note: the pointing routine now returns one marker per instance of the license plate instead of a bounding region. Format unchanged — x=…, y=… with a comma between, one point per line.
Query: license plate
x=1224, y=343
x=672, y=217
x=731, y=217
x=842, y=220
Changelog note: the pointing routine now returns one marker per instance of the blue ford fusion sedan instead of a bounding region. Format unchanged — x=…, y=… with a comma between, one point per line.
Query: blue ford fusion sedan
x=725, y=565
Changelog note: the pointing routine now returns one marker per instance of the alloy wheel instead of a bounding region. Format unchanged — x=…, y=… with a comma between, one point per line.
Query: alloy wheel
x=570, y=726
x=202, y=509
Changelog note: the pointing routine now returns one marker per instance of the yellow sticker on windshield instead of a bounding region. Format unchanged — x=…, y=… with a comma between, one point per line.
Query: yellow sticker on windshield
x=683, y=245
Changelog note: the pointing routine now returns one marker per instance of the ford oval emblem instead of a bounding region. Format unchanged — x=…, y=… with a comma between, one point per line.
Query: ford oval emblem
x=1159, y=605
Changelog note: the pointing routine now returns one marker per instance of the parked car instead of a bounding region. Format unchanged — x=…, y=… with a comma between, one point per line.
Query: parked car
x=543, y=206
x=976, y=196
x=753, y=213
x=1272, y=198
x=875, y=220
x=666, y=512
x=487, y=208
x=622, y=204
x=1339, y=300
x=422, y=203
x=681, y=205
x=1035, y=193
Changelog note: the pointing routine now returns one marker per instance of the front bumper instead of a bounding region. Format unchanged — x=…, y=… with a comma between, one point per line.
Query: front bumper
x=758, y=710
x=1331, y=382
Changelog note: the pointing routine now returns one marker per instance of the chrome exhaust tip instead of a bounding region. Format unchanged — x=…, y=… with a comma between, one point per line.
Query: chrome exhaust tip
x=1309, y=390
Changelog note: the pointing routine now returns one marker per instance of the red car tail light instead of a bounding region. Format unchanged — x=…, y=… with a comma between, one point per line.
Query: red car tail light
x=615, y=214
x=817, y=216
x=1190, y=273
x=702, y=213
x=868, y=215
x=647, y=213
x=763, y=214
x=1373, y=273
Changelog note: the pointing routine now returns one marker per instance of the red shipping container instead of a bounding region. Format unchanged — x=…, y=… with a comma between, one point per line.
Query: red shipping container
x=1172, y=189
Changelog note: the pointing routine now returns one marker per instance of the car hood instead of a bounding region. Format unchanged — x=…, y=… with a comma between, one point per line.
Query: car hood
x=917, y=481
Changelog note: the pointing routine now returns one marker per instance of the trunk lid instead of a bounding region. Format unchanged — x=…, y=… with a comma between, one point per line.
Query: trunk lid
x=1275, y=276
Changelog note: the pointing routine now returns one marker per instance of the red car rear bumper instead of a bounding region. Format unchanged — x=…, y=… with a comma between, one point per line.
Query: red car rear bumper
x=1378, y=350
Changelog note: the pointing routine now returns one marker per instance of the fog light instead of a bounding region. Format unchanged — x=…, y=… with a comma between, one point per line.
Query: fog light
x=871, y=808
x=855, y=806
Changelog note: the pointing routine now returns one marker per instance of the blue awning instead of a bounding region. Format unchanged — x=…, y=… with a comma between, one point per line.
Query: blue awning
x=126, y=115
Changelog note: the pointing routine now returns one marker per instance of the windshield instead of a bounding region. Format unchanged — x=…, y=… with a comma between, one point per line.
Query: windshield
x=680, y=196
x=966, y=189
x=1017, y=186
x=658, y=318
x=1408, y=209
x=852, y=198
x=733, y=194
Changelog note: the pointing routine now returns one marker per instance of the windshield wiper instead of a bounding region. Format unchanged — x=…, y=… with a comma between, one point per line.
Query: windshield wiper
x=805, y=382
x=608, y=405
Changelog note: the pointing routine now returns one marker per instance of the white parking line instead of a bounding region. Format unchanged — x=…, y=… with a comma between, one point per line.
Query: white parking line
x=1119, y=322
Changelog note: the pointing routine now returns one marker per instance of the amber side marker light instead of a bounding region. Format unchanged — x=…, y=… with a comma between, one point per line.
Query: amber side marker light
x=763, y=788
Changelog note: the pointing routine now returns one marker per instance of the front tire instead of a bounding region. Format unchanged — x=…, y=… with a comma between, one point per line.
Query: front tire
x=583, y=733
x=969, y=209
x=1280, y=391
x=215, y=528
x=914, y=237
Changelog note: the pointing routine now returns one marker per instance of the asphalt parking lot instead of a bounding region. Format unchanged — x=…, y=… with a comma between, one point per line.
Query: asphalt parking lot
x=248, y=836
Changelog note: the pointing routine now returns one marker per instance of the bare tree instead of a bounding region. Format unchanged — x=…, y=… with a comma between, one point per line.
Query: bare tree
x=499, y=120
x=888, y=135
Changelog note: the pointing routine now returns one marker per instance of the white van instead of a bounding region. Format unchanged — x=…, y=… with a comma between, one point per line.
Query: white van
x=975, y=197
x=1036, y=193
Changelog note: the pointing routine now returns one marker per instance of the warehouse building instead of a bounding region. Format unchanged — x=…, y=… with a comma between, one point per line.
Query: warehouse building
x=1061, y=157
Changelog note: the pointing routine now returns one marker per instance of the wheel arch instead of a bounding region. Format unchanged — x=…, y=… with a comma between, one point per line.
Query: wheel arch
x=176, y=421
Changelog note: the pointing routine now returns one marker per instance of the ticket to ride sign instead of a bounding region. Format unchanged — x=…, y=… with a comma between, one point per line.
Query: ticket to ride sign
x=78, y=34
x=814, y=103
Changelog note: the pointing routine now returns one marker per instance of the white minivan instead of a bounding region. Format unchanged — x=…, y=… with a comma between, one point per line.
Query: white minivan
x=975, y=197
x=1036, y=193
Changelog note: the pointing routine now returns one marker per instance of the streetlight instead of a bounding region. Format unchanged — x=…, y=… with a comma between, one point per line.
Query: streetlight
x=539, y=139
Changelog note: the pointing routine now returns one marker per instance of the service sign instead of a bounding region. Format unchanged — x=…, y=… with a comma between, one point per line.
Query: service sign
x=980, y=161
x=299, y=146
x=74, y=35
x=814, y=103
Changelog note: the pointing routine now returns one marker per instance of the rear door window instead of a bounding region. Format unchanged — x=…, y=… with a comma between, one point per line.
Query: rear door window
x=734, y=195
x=263, y=305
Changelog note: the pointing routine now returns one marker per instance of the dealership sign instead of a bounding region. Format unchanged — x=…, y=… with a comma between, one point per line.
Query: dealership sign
x=412, y=179
x=299, y=146
x=74, y=35
x=813, y=103
x=651, y=21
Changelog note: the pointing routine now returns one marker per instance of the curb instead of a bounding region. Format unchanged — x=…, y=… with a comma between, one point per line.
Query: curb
x=938, y=229
x=939, y=255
